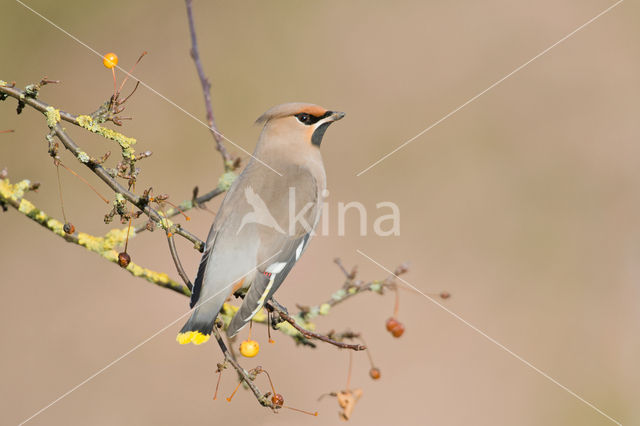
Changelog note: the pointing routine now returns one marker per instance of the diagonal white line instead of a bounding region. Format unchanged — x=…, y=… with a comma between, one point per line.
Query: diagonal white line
x=154, y=91
x=488, y=88
x=492, y=340
x=136, y=347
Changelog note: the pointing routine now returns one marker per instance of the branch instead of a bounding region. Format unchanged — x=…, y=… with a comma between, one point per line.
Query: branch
x=176, y=261
x=229, y=163
x=13, y=195
x=53, y=118
x=275, y=306
x=248, y=379
x=188, y=205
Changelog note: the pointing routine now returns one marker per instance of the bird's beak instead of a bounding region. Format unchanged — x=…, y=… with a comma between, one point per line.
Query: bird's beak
x=336, y=115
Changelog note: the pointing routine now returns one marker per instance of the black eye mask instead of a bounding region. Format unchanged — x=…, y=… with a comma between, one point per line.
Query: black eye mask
x=309, y=119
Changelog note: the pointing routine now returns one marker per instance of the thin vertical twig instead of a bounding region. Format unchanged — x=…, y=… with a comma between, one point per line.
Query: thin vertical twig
x=176, y=260
x=206, y=91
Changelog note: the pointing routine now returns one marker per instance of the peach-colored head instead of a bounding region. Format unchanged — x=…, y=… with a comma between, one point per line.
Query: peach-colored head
x=297, y=121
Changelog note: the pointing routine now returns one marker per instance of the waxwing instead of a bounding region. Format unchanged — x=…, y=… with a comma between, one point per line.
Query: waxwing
x=265, y=221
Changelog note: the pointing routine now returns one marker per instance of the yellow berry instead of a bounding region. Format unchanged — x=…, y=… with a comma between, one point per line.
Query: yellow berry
x=110, y=60
x=249, y=348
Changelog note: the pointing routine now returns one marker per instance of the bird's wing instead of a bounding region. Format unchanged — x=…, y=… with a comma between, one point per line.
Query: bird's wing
x=204, y=261
x=267, y=281
x=278, y=251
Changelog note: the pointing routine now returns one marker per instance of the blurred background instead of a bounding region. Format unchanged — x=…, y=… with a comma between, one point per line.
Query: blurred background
x=524, y=205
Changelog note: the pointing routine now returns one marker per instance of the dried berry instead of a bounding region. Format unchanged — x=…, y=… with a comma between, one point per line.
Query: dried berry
x=69, y=228
x=124, y=259
x=445, y=295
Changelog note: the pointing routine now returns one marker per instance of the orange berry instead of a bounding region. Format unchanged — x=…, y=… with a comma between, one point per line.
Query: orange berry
x=277, y=400
x=374, y=373
x=392, y=323
x=249, y=348
x=110, y=60
x=398, y=330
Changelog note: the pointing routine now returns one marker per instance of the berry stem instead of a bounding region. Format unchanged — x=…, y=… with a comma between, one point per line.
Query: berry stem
x=126, y=242
x=64, y=216
x=397, y=305
x=215, y=395
x=270, y=382
x=84, y=181
x=234, y=392
x=349, y=372
x=315, y=413
x=115, y=91
x=368, y=351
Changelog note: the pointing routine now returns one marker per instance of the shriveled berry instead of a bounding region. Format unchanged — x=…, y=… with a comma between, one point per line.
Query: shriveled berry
x=249, y=348
x=124, y=259
x=110, y=60
x=392, y=323
x=398, y=330
x=374, y=373
x=277, y=400
x=69, y=228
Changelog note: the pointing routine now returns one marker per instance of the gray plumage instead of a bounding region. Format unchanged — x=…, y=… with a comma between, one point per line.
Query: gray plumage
x=265, y=221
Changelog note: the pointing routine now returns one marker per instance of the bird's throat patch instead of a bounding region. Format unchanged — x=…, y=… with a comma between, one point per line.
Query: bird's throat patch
x=318, y=134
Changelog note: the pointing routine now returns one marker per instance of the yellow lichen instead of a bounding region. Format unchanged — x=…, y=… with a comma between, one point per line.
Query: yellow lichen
x=14, y=191
x=53, y=116
x=225, y=181
x=104, y=246
x=125, y=142
x=83, y=157
x=56, y=226
x=324, y=309
x=26, y=207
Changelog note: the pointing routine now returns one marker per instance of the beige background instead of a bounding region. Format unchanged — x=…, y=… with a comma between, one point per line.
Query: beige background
x=524, y=205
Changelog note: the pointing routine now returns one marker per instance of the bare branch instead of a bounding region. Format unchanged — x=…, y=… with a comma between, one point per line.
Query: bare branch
x=176, y=260
x=310, y=334
x=93, y=164
x=206, y=91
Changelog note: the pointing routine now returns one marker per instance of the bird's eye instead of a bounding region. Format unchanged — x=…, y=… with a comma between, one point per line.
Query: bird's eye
x=303, y=118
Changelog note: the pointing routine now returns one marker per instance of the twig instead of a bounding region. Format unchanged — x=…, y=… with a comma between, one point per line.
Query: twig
x=241, y=371
x=206, y=91
x=187, y=205
x=176, y=260
x=13, y=195
x=93, y=164
x=276, y=307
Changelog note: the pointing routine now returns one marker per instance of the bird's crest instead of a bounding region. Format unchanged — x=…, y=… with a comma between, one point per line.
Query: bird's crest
x=285, y=110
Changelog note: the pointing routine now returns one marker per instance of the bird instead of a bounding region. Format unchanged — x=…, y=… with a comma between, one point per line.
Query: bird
x=265, y=221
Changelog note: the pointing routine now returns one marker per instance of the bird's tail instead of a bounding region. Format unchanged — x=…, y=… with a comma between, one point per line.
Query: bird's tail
x=198, y=328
